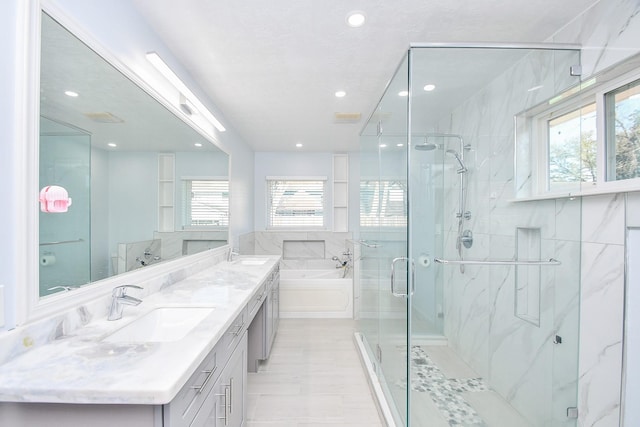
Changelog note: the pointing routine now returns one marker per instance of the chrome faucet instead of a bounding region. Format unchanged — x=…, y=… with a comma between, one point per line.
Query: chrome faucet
x=232, y=253
x=120, y=299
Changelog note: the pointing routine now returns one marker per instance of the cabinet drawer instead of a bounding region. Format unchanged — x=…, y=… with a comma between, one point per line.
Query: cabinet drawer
x=233, y=334
x=186, y=403
x=256, y=302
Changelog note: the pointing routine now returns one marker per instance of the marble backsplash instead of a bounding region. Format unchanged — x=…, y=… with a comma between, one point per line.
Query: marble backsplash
x=31, y=335
x=299, y=249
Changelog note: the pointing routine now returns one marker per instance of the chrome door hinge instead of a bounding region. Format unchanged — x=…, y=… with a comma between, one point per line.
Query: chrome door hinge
x=575, y=70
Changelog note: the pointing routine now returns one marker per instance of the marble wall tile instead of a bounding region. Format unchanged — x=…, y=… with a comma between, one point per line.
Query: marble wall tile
x=603, y=219
x=602, y=298
x=272, y=243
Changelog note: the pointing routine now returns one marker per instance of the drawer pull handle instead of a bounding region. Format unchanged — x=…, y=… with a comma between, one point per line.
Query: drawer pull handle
x=227, y=404
x=238, y=330
x=209, y=373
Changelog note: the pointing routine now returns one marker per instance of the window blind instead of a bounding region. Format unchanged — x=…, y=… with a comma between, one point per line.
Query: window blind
x=383, y=203
x=206, y=203
x=295, y=203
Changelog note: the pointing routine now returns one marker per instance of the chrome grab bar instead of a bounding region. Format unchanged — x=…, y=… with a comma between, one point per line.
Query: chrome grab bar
x=550, y=261
x=61, y=242
x=393, y=276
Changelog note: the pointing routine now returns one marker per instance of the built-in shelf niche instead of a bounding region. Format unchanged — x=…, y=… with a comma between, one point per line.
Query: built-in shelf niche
x=528, y=277
x=166, y=192
x=340, y=192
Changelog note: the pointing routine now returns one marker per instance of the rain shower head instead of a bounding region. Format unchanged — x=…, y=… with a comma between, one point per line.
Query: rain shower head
x=454, y=153
x=427, y=146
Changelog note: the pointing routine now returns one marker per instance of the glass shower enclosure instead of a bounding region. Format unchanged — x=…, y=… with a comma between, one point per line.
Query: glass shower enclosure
x=463, y=318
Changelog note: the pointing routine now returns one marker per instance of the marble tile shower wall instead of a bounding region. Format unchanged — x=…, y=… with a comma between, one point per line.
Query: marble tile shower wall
x=480, y=319
x=299, y=249
x=511, y=353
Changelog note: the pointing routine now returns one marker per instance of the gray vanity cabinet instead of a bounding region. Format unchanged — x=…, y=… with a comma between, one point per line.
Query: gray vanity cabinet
x=214, y=395
x=263, y=328
x=225, y=406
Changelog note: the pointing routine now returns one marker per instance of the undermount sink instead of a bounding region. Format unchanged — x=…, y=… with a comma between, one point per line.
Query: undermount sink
x=253, y=261
x=161, y=325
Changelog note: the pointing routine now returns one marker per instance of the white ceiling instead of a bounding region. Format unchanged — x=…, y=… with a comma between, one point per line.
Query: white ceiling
x=273, y=67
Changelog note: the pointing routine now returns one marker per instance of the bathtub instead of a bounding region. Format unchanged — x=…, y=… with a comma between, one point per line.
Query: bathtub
x=315, y=294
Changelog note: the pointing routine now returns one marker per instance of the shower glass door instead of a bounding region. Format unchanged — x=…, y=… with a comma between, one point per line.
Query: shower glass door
x=394, y=306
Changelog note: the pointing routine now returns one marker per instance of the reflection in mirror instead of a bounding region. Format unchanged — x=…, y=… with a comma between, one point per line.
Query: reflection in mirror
x=124, y=183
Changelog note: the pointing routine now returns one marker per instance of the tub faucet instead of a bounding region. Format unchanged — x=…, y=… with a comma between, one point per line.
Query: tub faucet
x=120, y=299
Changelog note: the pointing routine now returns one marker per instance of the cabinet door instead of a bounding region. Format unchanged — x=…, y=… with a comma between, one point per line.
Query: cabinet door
x=210, y=412
x=231, y=390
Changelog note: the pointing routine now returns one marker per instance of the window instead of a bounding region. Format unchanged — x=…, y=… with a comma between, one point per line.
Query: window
x=383, y=203
x=296, y=203
x=206, y=203
x=622, y=108
x=572, y=148
x=582, y=141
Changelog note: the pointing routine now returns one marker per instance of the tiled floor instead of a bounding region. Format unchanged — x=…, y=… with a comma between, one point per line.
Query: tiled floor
x=313, y=378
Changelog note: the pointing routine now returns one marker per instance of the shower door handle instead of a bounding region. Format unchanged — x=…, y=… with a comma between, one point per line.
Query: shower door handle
x=393, y=276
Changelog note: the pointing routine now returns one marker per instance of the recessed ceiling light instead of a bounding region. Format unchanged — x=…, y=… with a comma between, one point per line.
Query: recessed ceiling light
x=197, y=144
x=403, y=93
x=298, y=145
x=399, y=145
x=429, y=87
x=341, y=94
x=112, y=144
x=383, y=145
x=356, y=19
x=71, y=93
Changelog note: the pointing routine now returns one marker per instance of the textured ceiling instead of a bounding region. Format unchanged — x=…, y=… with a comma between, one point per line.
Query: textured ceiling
x=273, y=67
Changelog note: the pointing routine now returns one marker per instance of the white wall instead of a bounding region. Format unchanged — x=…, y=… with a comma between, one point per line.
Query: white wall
x=116, y=30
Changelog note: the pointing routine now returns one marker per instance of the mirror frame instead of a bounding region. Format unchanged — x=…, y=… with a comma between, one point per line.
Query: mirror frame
x=30, y=306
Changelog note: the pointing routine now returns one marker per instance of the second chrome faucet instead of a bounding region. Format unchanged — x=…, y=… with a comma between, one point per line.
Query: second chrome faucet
x=120, y=299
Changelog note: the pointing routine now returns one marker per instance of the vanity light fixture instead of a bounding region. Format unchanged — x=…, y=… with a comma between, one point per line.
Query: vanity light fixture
x=429, y=87
x=403, y=93
x=383, y=145
x=71, y=93
x=341, y=94
x=400, y=145
x=164, y=69
x=356, y=19
x=112, y=144
x=299, y=145
x=187, y=106
x=197, y=144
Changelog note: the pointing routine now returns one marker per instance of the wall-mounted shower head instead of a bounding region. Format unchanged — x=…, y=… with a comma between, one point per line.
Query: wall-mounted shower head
x=427, y=146
x=454, y=153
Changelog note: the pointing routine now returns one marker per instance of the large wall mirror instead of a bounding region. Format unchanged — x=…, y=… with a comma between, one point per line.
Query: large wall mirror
x=124, y=183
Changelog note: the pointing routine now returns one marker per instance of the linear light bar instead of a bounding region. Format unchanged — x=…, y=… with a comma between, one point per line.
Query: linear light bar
x=164, y=69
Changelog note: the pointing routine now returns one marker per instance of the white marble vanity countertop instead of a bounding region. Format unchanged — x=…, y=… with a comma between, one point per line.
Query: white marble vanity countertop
x=82, y=368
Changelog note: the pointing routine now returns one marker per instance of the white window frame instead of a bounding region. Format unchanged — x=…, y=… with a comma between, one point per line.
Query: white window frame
x=595, y=93
x=184, y=212
x=325, y=206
